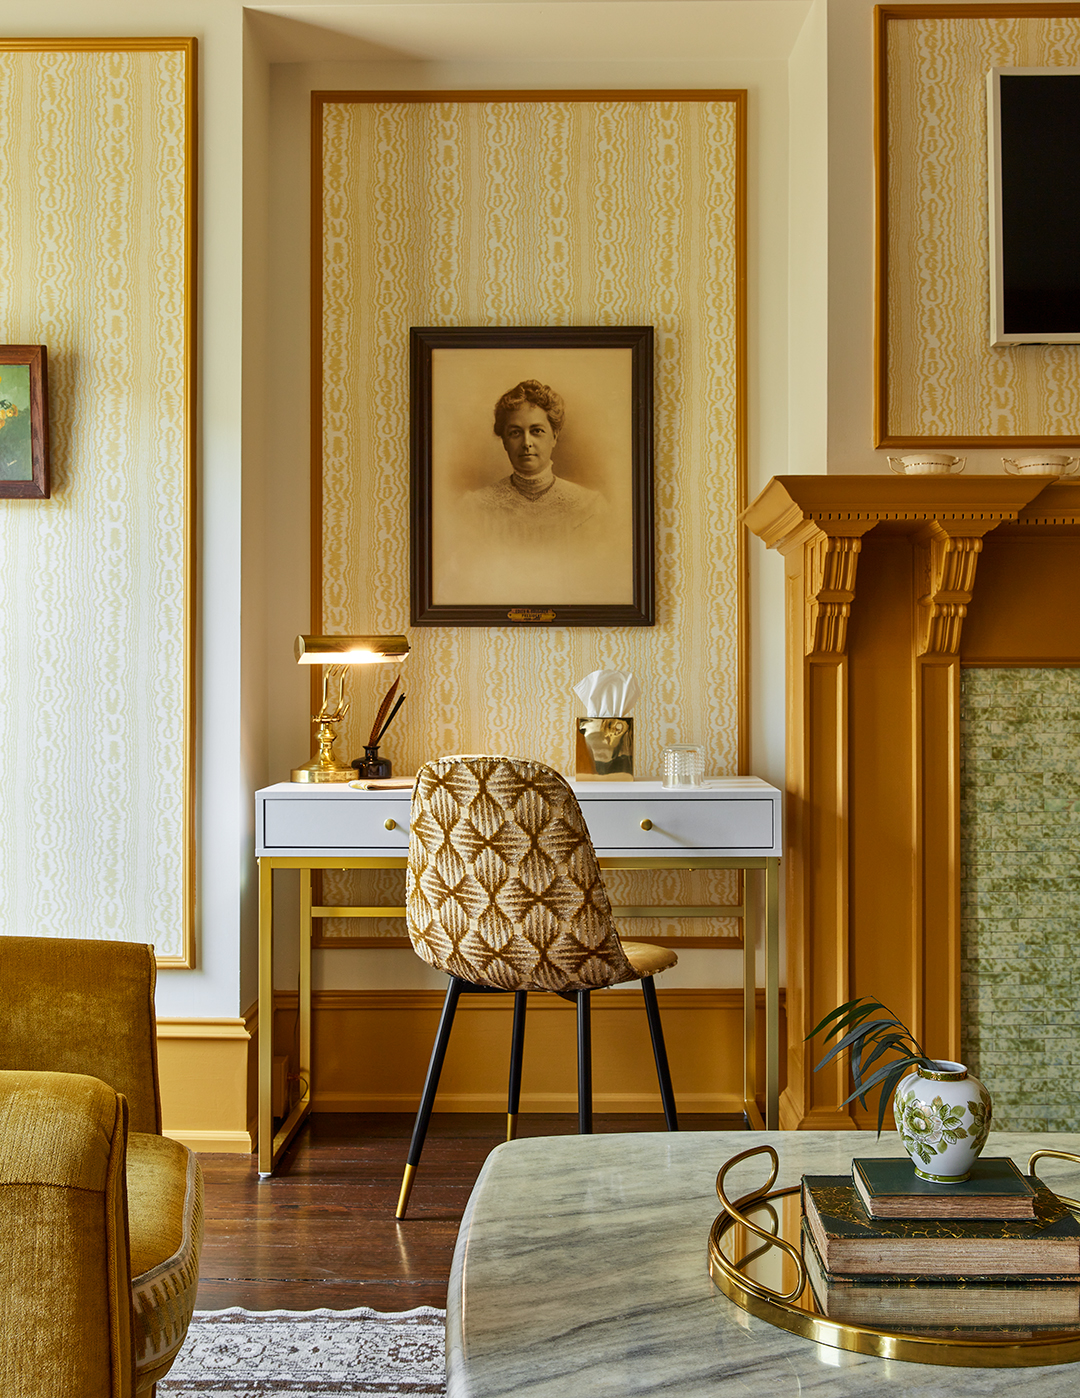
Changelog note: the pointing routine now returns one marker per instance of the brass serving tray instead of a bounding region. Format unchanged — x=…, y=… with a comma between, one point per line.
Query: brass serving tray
x=755, y=1259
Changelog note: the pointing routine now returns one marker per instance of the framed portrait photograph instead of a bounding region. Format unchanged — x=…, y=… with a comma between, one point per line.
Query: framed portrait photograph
x=532, y=476
x=24, y=423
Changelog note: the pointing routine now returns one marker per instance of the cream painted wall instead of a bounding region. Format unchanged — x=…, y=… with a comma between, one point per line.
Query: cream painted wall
x=850, y=182
x=258, y=427
x=808, y=243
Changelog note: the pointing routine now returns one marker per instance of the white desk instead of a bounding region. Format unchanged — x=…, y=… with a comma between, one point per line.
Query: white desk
x=732, y=823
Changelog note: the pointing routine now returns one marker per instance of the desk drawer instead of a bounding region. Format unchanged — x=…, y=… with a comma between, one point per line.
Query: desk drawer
x=335, y=823
x=710, y=826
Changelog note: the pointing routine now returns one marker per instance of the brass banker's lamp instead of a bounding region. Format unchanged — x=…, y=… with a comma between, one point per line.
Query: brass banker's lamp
x=335, y=652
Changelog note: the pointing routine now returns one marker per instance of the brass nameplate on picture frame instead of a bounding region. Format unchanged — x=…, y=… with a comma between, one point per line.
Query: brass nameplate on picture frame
x=529, y=614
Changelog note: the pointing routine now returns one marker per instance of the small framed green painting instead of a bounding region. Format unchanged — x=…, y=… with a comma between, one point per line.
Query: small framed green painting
x=24, y=423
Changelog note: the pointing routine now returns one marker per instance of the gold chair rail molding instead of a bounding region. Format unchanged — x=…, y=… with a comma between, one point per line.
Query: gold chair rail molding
x=173, y=1028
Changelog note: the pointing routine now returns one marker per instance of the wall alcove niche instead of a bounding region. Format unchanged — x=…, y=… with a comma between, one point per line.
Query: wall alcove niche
x=896, y=590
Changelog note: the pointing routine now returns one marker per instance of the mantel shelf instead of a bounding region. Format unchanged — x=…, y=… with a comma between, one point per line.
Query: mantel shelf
x=840, y=506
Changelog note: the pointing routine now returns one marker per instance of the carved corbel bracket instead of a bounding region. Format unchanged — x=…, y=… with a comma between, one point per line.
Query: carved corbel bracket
x=829, y=565
x=947, y=556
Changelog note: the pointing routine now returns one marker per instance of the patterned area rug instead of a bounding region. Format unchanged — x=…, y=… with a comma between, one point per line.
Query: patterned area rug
x=362, y=1353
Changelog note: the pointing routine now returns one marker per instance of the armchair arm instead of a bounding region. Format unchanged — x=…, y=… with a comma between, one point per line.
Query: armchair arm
x=65, y=1274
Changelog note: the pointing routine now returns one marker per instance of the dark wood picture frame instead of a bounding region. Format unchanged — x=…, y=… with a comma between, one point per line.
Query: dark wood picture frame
x=629, y=479
x=29, y=459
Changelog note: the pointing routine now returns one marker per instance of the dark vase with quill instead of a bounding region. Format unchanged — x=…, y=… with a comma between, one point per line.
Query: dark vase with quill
x=371, y=765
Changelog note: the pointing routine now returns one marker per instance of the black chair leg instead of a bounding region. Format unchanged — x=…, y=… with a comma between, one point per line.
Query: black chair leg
x=584, y=1064
x=517, y=1052
x=431, y=1086
x=656, y=1030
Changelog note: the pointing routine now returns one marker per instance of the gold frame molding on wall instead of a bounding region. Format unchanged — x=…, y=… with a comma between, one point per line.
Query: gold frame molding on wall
x=736, y=96
x=883, y=14
x=189, y=46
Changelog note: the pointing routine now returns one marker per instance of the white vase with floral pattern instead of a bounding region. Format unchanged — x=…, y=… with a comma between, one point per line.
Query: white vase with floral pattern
x=943, y=1116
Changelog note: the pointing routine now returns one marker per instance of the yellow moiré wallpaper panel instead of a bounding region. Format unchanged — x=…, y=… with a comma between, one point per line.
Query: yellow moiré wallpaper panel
x=534, y=212
x=944, y=377
x=93, y=190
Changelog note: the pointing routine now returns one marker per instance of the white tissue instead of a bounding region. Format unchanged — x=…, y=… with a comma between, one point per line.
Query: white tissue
x=608, y=693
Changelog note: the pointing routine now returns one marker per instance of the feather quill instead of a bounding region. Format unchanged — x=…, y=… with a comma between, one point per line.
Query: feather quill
x=380, y=717
x=389, y=721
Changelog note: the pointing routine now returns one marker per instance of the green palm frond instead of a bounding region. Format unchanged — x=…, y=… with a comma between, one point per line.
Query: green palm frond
x=867, y=1037
x=851, y=1013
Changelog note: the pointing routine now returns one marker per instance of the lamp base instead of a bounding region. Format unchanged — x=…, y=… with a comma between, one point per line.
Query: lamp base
x=316, y=771
x=324, y=766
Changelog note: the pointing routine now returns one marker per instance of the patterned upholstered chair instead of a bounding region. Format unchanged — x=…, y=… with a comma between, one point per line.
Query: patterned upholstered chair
x=100, y=1225
x=503, y=893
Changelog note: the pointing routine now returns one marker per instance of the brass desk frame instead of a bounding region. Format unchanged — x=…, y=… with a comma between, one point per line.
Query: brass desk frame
x=272, y=1145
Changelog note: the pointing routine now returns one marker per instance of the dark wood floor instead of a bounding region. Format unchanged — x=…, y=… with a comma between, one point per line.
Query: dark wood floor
x=322, y=1232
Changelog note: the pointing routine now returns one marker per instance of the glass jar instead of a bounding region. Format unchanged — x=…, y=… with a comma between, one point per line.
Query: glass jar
x=684, y=764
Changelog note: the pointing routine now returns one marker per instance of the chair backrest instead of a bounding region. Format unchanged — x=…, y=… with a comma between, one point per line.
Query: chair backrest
x=72, y=1006
x=503, y=888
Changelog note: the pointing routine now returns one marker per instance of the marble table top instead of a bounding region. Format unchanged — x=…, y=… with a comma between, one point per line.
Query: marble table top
x=581, y=1269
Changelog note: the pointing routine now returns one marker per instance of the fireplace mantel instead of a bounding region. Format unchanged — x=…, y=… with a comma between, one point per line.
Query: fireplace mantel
x=894, y=583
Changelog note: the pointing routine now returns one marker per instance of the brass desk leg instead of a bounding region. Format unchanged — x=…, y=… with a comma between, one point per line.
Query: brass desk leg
x=271, y=1146
x=305, y=989
x=297, y=1116
x=750, y=1106
x=266, y=1016
x=772, y=994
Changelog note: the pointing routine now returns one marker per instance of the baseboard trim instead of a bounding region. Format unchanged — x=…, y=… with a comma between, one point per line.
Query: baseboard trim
x=819, y=1119
x=713, y=1103
x=372, y=1046
x=207, y=1070
x=371, y=1049
x=216, y=1142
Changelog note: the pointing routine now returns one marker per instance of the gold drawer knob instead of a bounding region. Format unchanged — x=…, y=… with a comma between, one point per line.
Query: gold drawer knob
x=646, y=825
x=389, y=823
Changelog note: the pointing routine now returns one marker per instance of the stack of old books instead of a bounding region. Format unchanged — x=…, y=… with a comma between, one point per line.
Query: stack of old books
x=886, y=1249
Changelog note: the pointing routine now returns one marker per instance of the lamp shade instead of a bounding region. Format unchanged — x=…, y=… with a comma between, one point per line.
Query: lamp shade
x=350, y=650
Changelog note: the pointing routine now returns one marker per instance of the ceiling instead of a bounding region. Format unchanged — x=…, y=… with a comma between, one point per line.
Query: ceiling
x=517, y=31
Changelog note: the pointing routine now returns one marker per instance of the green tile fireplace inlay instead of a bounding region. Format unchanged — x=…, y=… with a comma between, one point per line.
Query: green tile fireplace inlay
x=1020, y=892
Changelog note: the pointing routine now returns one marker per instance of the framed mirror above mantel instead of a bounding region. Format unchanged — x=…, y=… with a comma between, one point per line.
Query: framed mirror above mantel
x=894, y=586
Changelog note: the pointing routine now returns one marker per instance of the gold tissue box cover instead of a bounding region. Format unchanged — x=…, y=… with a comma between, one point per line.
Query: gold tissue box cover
x=604, y=750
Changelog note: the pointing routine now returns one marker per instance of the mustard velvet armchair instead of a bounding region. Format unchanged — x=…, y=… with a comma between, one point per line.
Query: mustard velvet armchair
x=100, y=1215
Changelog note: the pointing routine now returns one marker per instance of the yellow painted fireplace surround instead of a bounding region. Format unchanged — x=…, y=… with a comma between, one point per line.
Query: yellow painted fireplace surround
x=893, y=584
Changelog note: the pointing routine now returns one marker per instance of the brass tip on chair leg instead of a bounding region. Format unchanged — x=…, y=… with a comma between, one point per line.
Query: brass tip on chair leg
x=406, y=1190
x=511, y=1125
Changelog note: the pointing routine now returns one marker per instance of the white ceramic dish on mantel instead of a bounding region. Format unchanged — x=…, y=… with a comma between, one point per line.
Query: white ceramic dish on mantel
x=1043, y=463
x=927, y=463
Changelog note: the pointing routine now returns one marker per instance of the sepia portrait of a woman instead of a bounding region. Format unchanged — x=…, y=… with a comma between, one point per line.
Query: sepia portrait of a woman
x=531, y=488
x=532, y=504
